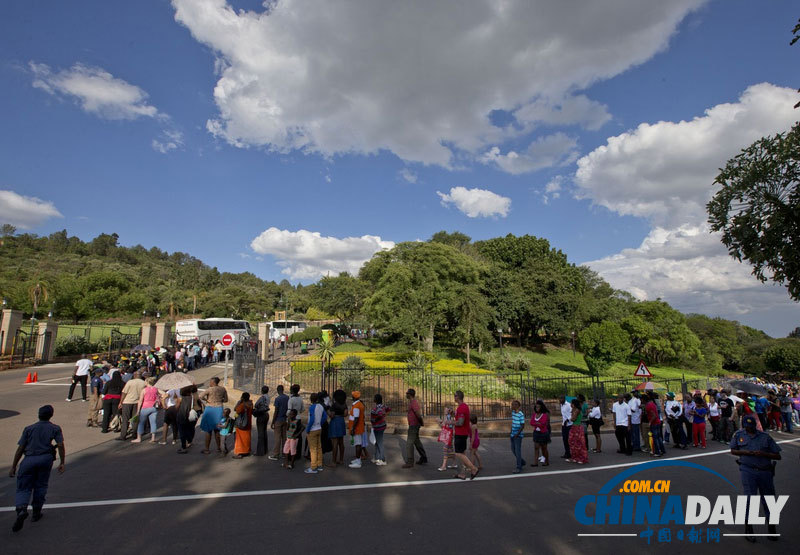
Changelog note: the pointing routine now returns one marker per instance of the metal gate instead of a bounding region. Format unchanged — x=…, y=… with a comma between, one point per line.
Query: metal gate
x=25, y=347
x=121, y=342
x=248, y=368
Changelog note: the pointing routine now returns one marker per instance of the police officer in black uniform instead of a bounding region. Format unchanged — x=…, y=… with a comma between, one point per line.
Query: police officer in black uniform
x=38, y=443
x=756, y=451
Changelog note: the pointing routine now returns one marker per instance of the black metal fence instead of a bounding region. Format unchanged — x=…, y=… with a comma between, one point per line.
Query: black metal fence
x=248, y=368
x=489, y=395
x=25, y=347
x=119, y=343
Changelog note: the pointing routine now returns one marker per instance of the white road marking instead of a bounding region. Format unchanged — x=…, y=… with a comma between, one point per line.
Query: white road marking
x=40, y=383
x=611, y=535
x=352, y=487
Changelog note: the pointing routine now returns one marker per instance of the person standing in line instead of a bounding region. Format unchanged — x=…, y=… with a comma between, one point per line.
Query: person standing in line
x=713, y=417
x=129, y=402
x=294, y=432
x=213, y=400
x=170, y=402
x=448, y=454
x=596, y=421
x=149, y=405
x=296, y=403
x=517, y=424
x=785, y=404
x=187, y=419
x=674, y=412
x=95, y=398
x=279, y=424
x=635, y=404
x=566, y=423
x=756, y=451
x=261, y=412
x=80, y=376
x=37, y=444
x=474, y=442
x=415, y=422
x=337, y=429
x=462, y=434
x=622, y=420
x=654, y=421
x=243, y=437
x=112, y=392
x=699, y=422
x=357, y=427
x=316, y=416
x=377, y=419
x=725, y=418
x=540, y=421
x=577, y=443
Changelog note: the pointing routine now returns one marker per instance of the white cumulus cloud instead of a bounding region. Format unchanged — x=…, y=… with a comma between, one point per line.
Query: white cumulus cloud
x=309, y=255
x=476, y=203
x=664, y=172
x=25, y=212
x=408, y=175
x=419, y=79
x=96, y=90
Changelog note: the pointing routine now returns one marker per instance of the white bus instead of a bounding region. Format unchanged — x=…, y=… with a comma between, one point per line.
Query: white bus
x=209, y=330
x=284, y=327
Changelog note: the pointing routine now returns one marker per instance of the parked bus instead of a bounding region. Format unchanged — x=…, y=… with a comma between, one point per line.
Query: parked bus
x=209, y=330
x=284, y=327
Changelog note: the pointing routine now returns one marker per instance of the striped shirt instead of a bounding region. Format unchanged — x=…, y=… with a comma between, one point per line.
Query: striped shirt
x=517, y=422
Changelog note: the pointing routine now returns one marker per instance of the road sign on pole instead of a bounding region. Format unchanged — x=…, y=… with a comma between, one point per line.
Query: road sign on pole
x=642, y=371
x=227, y=341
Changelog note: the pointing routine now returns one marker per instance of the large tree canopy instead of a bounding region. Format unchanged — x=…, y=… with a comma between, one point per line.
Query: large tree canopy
x=758, y=208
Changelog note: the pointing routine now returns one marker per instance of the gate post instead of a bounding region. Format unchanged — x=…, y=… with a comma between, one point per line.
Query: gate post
x=46, y=347
x=148, y=334
x=12, y=321
x=163, y=330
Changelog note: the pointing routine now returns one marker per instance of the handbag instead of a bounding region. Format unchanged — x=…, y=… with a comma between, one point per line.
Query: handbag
x=445, y=436
x=241, y=421
x=372, y=439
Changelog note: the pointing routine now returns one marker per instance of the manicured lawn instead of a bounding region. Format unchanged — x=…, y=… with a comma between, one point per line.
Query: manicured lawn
x=553, y=362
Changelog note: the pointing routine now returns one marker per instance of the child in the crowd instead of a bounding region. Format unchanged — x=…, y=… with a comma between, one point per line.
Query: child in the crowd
x=226, y=429
x=293, y=435
x=474, y=457
x=448, y=455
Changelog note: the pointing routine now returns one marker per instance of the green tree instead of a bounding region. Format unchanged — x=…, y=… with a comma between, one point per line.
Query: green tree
x=757, y=208
x=415, y=287
x=7, y=230
x=343, y=296
x=602, y=344
x=784, y=358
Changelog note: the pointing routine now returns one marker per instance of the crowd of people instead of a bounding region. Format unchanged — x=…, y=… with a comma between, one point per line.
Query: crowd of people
x=124, y=400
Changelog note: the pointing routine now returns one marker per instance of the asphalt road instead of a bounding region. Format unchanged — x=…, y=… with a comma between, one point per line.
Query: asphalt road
x=120, y=497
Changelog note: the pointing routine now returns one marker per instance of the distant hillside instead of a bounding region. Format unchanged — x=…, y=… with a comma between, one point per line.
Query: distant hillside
x=100, y=280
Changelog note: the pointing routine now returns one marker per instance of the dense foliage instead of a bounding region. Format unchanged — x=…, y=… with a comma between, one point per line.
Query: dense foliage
x=448, y=294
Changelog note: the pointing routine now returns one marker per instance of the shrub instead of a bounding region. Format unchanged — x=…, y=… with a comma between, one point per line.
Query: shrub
x=78, y=344
x=351, y=373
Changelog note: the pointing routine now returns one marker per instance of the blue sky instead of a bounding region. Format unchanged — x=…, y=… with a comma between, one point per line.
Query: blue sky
x=295, y=140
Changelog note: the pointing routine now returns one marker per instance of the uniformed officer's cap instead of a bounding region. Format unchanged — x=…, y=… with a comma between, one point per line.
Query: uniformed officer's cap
x=748, y=417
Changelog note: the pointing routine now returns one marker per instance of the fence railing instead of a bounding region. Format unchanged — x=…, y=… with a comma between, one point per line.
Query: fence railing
x=489, y=395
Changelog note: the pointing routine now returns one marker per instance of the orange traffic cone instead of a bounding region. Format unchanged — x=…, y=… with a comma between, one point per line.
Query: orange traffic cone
x=35, y=377
x=28, y=379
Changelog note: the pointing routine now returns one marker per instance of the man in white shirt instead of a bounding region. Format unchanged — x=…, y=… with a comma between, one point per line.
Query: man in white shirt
x=566, y=425
x=635, y=404
x=622, y=420
x=81, y=375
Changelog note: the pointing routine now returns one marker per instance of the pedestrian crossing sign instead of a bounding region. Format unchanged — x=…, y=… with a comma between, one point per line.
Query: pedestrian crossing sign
x=642, y=371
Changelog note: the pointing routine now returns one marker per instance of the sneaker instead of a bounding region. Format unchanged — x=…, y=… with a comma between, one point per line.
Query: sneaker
x=319, y=469
x=84, y=400
x=272, y=458
x=310, y=471
x=380, y=462
x=68, y=400
x=355, y=464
